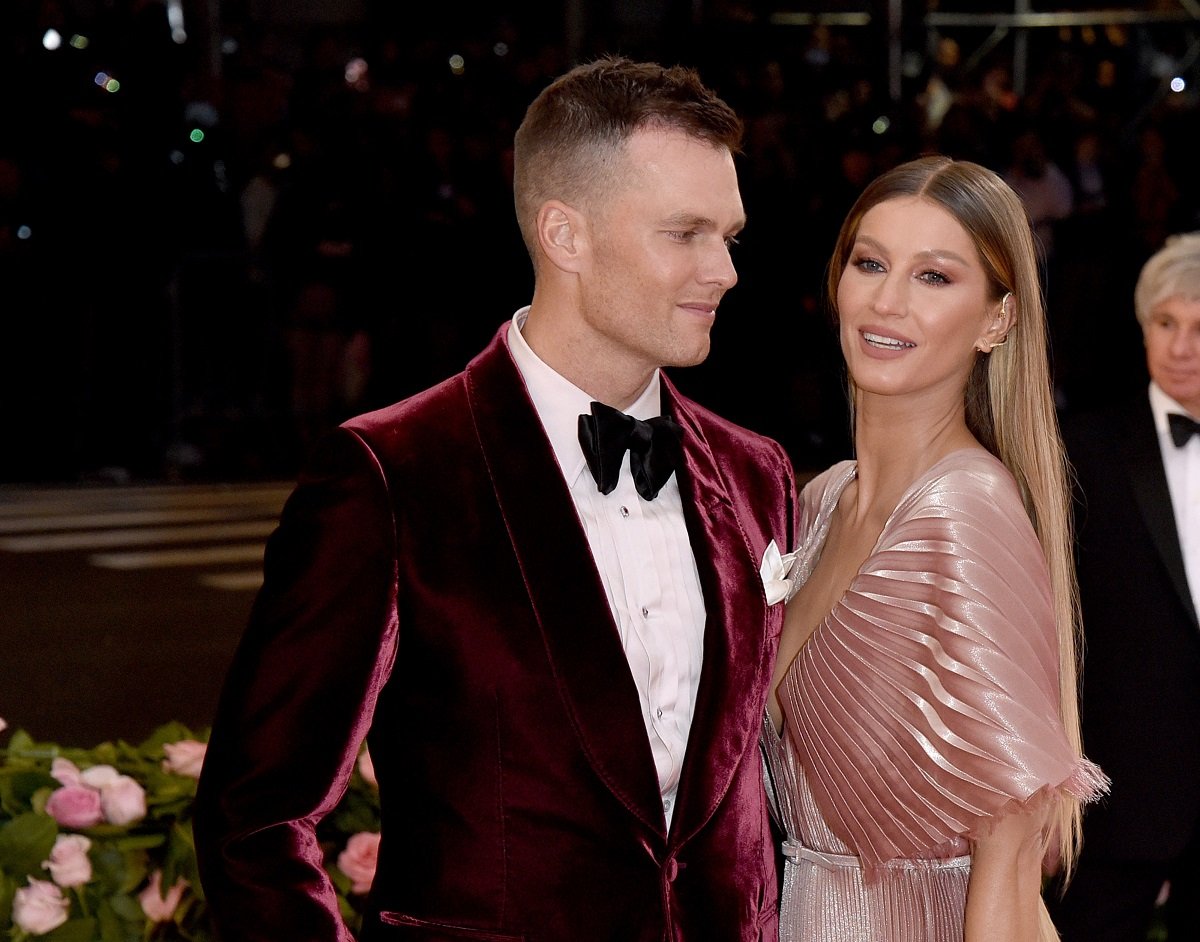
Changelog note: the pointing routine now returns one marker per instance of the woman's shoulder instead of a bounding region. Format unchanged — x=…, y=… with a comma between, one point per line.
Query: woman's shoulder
x=962, y=523
x=828, y=483
x=968, y=469
x=970, y=483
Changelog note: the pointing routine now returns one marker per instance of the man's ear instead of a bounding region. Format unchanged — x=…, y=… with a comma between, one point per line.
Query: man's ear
x=562, y=235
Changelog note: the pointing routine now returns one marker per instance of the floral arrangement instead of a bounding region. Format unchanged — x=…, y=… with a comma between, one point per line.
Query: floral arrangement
x=96, y=844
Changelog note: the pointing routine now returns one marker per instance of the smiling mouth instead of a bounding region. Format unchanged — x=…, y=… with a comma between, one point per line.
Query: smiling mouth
x=886, y=343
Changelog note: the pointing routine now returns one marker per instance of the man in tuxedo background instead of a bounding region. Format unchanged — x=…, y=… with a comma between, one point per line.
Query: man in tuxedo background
x=557, y=647
x=1138, y=535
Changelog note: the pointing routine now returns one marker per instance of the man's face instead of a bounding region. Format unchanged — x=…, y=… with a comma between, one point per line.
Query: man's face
x=1172, y=337
x=658, y=260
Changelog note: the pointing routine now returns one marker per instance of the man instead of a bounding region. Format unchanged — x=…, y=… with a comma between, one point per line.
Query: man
x=1139, y=578
x=560, y=672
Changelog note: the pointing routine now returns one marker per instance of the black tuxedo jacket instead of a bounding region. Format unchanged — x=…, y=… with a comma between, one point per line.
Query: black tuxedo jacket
x=1141, y=667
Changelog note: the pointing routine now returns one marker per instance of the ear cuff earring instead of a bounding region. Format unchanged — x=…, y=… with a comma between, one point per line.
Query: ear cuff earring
x=1003, y=311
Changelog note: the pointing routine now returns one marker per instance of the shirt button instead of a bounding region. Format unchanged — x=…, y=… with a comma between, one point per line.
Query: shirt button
x=667, y=804
x=624, y=511
x=645, y=612
x=659, y=712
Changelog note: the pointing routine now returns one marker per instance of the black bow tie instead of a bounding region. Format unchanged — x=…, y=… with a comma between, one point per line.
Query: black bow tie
x=1183, y=427
x=653, y=447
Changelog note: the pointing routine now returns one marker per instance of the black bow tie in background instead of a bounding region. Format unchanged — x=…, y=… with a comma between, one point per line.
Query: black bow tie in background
x=1183, y=427
x=653, y=447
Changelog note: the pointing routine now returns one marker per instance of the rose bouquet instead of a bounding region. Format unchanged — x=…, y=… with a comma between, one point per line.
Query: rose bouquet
x=96, y=844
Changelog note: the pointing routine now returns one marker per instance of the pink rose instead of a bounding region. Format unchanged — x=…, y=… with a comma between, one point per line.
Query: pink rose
x=99, y=776
x=64, y=771
x=39, y=908
x=123, y=800
x=184, y=757
x=69, y=864
x=359, y=859
x=3, y=725
x=366, y=767
x=157, y=906
x=75, y=806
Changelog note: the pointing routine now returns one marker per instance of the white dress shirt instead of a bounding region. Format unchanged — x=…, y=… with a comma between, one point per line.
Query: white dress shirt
x=1183, y=481
x=645, y=560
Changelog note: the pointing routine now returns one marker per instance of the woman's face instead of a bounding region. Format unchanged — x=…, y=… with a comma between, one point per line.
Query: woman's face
x=913, y=304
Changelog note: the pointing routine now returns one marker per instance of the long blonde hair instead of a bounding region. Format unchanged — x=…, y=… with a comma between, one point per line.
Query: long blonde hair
x=1009, y=396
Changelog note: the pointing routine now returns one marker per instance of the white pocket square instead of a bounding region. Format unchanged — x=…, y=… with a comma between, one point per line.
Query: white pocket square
x=774, y=571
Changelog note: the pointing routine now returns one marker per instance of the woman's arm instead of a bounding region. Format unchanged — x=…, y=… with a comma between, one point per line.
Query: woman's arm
x=1004, y=893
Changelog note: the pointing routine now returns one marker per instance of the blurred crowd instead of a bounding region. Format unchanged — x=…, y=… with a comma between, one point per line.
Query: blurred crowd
x=212, y=249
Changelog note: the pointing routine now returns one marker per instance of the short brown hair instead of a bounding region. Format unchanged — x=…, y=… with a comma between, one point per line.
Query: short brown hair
x=567, y=143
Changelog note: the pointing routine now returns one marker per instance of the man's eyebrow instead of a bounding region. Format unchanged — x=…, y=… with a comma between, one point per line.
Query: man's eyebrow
x=694, y=221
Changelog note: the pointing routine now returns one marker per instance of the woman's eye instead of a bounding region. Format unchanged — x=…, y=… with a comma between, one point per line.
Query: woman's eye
x=867, y=264
x=935, y=278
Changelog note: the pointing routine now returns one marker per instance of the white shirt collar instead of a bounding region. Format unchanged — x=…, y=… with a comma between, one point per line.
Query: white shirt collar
x=1161, y=404
x=559, y=402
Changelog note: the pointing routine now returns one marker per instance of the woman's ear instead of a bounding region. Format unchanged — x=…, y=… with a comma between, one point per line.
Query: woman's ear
x=561, y=235
x=999, y=326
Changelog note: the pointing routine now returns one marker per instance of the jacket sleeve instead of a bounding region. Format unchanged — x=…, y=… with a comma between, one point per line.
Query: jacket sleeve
x=297, y=702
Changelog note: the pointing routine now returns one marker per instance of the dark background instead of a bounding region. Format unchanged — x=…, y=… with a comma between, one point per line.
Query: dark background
x=289, y=212
x=226, y=225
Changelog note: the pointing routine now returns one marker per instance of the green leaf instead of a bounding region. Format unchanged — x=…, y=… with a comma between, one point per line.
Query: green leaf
x=25, y=842
x=112, y=928
x=19, y=743
x=128, y=908
x=168, y=732
x=118, y=871
x=180, y=859
x=8, y=888
x=138, y=842
x=73, y=930
x=104, y=754
x=18, y=786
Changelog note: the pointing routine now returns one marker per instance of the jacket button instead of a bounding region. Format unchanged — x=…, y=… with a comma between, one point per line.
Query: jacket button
x=671, y=870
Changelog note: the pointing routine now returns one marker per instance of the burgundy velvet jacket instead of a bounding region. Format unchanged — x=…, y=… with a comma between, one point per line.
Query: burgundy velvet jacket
x=430, y=587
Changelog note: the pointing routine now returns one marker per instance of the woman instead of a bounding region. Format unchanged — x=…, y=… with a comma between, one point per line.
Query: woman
x=922, y=736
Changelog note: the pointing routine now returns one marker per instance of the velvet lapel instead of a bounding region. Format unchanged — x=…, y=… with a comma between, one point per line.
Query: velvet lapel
x=1153, y=497
x=729, y=701
x=565, y=590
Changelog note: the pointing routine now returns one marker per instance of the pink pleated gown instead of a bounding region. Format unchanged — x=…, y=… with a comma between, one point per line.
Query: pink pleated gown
x=921, y=708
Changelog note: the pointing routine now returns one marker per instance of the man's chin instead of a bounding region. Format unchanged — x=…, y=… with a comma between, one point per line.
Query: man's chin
x=691, y=357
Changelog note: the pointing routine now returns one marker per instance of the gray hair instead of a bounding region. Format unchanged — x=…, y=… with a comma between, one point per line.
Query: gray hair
x=1172, y=271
